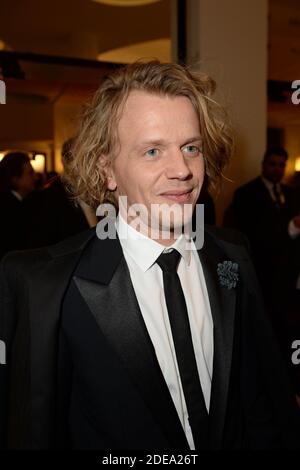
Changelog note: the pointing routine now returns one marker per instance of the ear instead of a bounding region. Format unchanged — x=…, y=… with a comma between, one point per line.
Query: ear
x=111, y=183
x=106, y=167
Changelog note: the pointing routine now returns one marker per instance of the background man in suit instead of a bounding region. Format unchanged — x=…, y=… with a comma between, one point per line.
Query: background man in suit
x=294, y=324
x=143, y=342
x=55, y=216
x=263, y=209
x=17, y=181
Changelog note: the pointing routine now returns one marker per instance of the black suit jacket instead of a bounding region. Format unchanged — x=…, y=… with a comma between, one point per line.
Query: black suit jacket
x=13, y=234
x=53, y=216
x=120, y=392
x=256, y=215
x=275, y=254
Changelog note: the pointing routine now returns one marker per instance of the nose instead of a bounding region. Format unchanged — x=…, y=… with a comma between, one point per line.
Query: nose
x=177, y=165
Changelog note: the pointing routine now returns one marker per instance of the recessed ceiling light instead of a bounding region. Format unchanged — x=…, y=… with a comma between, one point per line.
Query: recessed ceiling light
x=126, y=3
x=157, y=48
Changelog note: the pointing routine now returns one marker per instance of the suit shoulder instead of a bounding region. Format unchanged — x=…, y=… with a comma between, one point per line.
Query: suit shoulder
x=246, y=188
x=73, y=243
x=226, y=235
x=30, y=259
x=16, y=262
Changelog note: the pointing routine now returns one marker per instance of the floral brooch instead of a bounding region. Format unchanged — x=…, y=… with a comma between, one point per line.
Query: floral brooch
x=228, y=274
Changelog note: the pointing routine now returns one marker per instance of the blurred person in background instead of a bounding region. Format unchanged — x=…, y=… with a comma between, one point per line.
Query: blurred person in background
x=294, y=304
x=55, y=215
x=17, y=182
x=262, y=210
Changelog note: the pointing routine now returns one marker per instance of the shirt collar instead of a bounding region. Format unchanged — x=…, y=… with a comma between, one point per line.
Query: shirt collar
x=17, y=195
x=145, y=251
x=270, y=185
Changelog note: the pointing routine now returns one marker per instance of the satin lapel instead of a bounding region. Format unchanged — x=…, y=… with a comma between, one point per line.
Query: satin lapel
x=118, y=315
x=47, y=284
x=223, y=306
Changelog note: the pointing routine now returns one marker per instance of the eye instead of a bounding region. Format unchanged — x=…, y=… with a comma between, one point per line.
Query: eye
x=192, y=150
x=152, y=152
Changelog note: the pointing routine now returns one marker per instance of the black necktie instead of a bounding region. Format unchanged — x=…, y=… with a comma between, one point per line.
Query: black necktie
x=182, y=338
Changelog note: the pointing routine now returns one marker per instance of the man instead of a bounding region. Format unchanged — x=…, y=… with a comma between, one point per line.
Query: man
x=263, y=208
x=55, y=216
x=17, y=181
x=294, y=301
x=108, y=345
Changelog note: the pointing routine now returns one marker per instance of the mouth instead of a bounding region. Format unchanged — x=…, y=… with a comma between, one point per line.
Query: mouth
x=179, y=196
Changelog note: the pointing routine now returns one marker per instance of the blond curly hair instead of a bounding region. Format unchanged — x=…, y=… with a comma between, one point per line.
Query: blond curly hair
x=95, y=145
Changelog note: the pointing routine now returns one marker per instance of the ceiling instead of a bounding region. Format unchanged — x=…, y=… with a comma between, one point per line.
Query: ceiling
x=79, y=28
x=90, y=30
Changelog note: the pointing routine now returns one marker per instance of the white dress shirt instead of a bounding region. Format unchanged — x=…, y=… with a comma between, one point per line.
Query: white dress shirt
x=141, y=254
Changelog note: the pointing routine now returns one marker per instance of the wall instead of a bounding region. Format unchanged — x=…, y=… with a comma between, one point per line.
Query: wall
x=228, y=40
x=65, y=124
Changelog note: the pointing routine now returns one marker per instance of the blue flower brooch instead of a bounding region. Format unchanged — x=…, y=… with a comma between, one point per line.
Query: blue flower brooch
x=228, y=274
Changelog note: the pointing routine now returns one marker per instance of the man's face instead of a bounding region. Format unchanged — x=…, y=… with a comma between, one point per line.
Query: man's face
x=25, y=184
x=160, y=159
x=274, y=167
